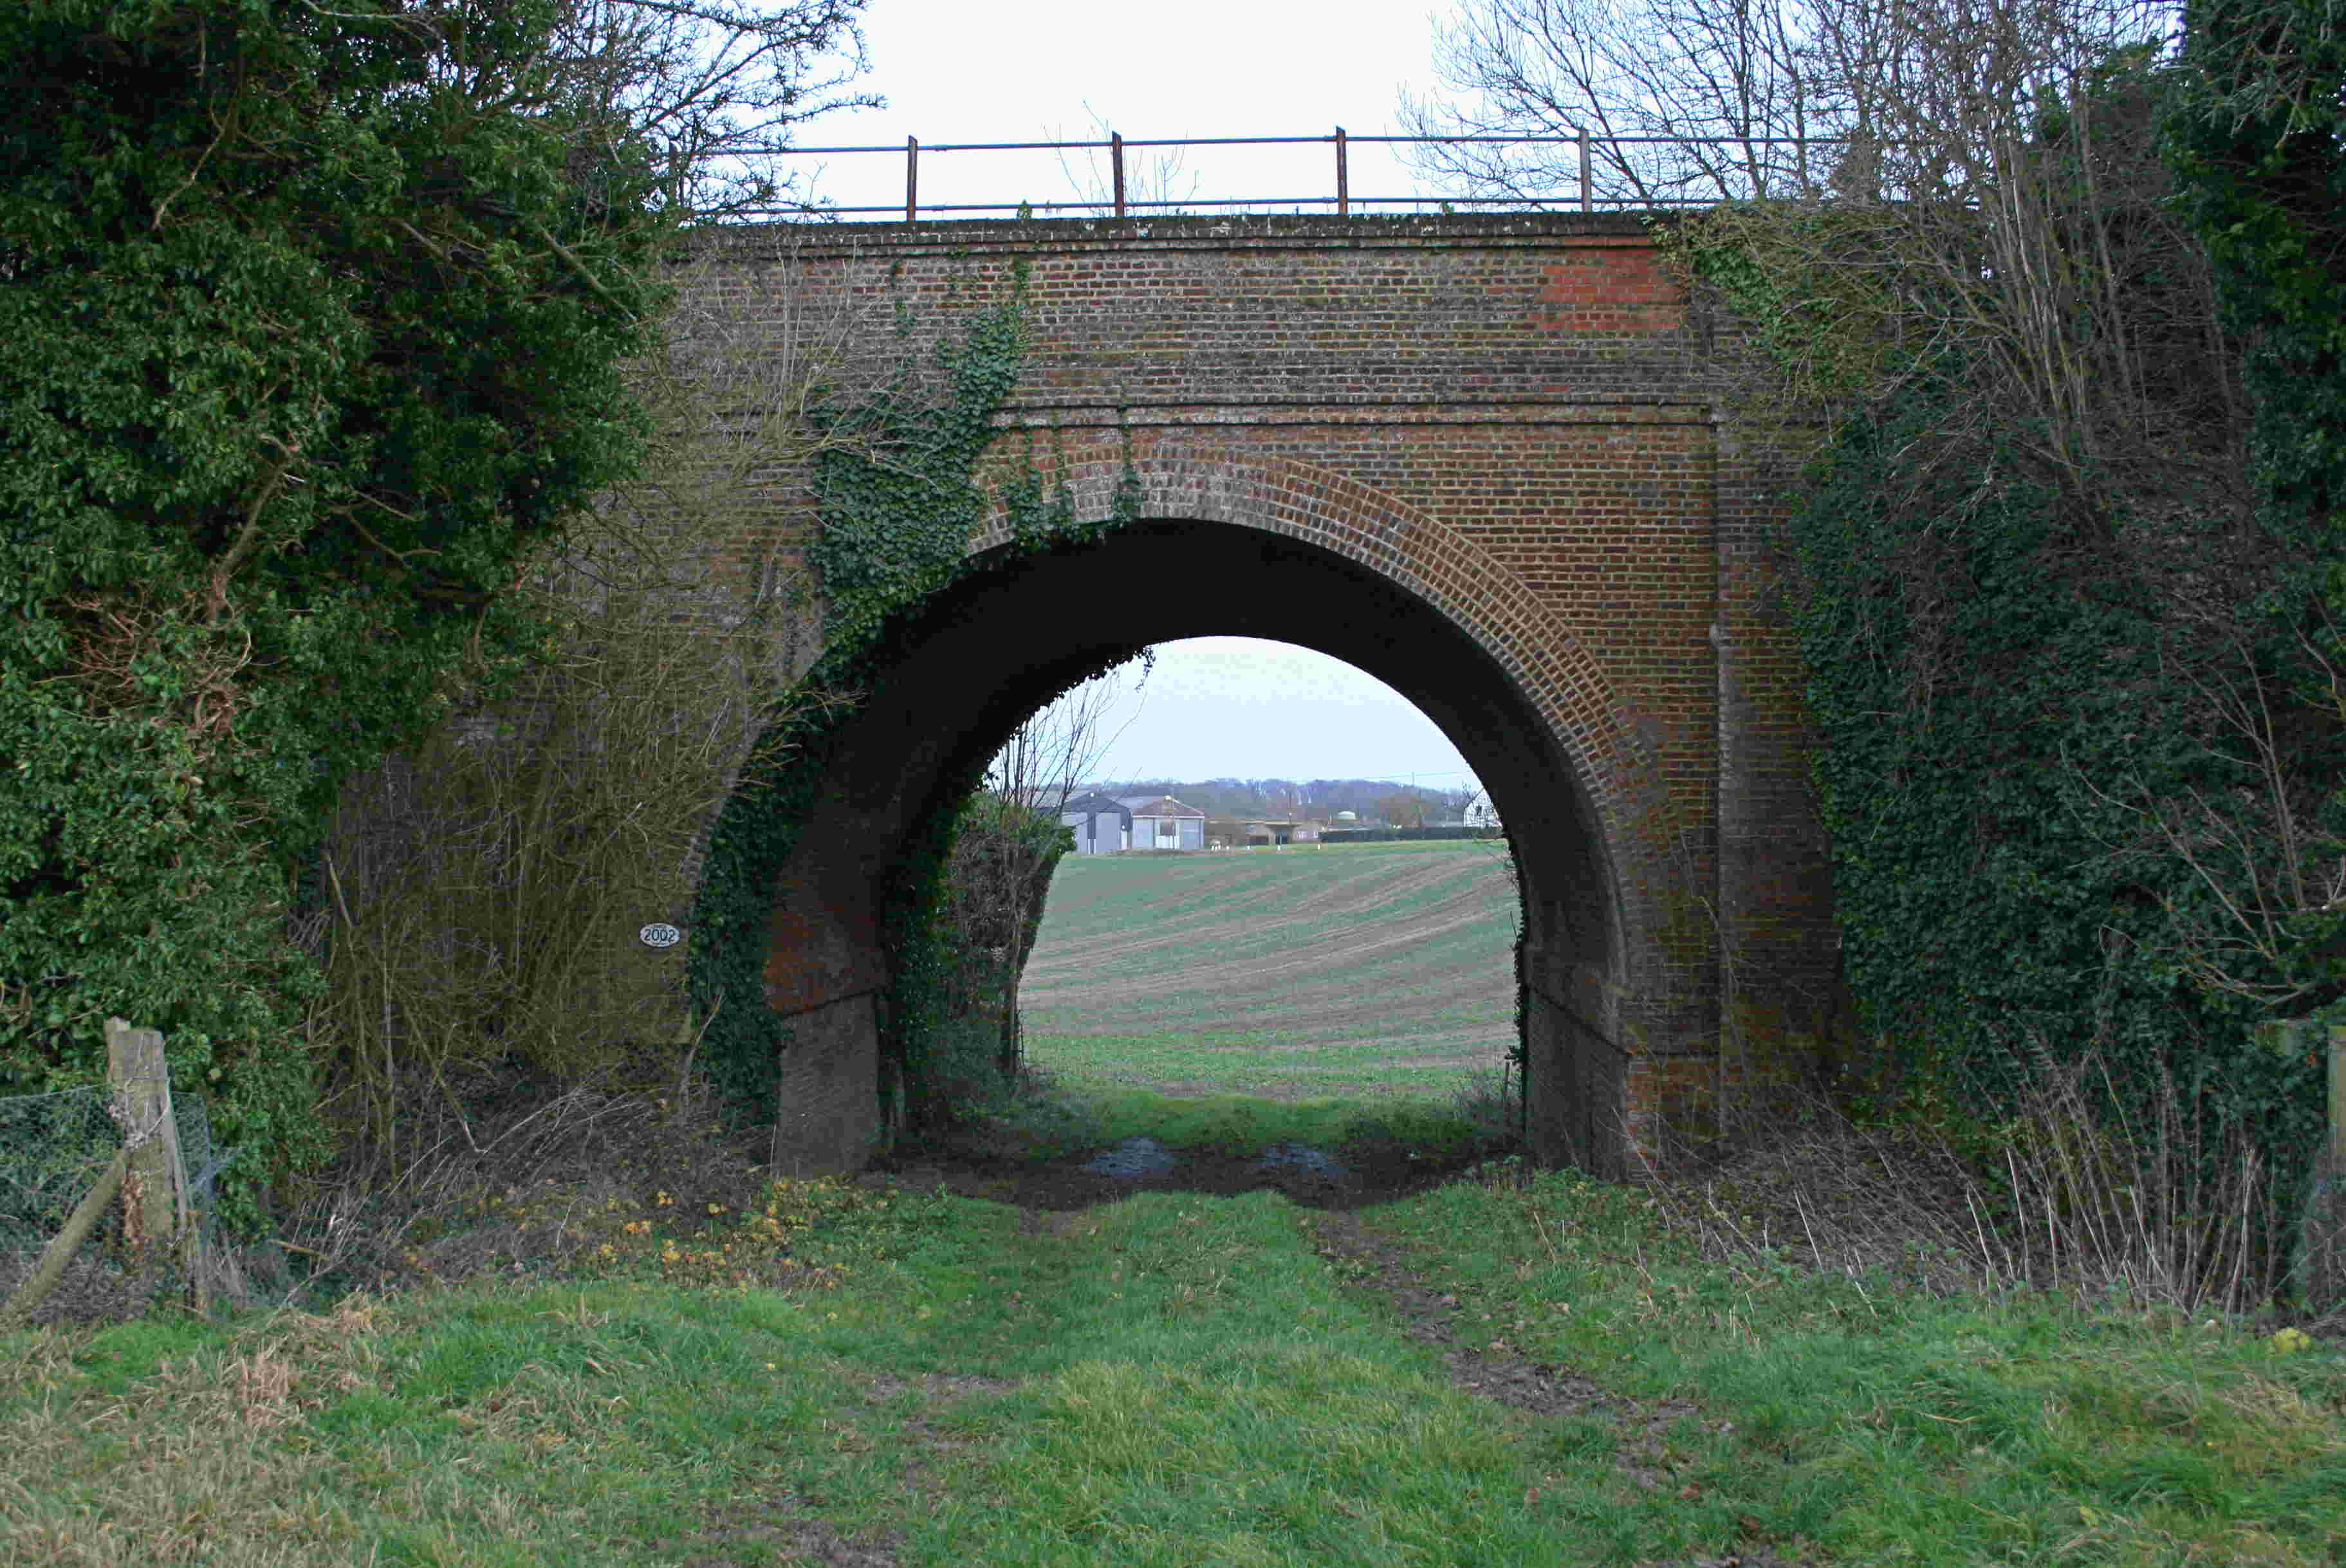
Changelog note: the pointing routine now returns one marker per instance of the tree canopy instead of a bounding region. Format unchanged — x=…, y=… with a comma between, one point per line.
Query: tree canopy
x=313, y=326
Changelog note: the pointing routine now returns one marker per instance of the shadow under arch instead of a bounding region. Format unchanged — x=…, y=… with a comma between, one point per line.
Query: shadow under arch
x=1022, y=626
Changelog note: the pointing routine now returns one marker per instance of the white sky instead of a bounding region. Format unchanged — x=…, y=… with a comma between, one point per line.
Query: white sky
x=1043, y=70
x=1049, y=70
x=1240, y=708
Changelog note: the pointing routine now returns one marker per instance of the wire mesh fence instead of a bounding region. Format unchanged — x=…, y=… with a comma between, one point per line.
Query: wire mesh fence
x=53, y=1149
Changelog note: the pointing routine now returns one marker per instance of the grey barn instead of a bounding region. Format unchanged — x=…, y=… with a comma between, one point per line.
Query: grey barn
x=1161, y=823
x=1104, y=824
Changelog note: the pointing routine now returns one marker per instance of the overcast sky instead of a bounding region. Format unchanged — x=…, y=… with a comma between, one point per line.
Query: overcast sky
x=1238, y=707
x=1045, y=70
x=1049, y=70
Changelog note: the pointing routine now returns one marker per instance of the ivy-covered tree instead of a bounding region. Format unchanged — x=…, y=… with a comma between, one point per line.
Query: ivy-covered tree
x=2256, y=132
x=312, y=321
x=2069, y=673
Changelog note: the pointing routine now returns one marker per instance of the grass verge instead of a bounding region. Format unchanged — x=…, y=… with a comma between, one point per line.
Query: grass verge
x=1860, y=1419
x=1056, y=1117
x=1513, y=1369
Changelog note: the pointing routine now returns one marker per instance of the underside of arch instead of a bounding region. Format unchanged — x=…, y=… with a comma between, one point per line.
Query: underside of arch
x=1283, y=553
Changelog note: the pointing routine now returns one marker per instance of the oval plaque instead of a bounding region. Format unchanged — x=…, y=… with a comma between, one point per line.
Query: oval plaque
x=659, y=933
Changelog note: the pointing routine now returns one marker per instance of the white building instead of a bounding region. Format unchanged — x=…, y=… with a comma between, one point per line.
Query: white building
x=1161, y=823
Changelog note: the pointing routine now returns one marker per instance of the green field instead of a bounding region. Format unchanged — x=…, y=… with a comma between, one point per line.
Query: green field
x=1369, y=969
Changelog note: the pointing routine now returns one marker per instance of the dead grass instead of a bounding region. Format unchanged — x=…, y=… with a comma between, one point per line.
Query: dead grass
x=191, y=1468
x=526, y=1192
x=2073, y=1199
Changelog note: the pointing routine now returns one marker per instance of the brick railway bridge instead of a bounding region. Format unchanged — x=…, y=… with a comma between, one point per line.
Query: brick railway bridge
x=1479, y=457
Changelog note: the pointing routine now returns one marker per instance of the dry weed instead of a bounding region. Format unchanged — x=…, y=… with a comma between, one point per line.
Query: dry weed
x=194, y=1471
x=481, y=895
x=2080, y=1198
x=525, y=1194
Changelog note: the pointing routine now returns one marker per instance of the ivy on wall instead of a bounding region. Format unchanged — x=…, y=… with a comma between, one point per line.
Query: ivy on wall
x=898, y=501
x=2076, y=727
x=2000, y=703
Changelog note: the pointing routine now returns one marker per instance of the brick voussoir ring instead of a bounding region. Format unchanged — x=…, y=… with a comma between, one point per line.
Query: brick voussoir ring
x=1547, y=664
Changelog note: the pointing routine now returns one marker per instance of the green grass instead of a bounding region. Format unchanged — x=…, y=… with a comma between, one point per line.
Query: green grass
x=1881, y=1425
x=822, y=1368
x=1087, y=1114
x=1369, y=969
x=1165, y=1381
x=1171, y=1379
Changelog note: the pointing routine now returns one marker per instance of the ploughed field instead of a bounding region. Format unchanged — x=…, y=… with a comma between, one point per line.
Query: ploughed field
x=1360, y=969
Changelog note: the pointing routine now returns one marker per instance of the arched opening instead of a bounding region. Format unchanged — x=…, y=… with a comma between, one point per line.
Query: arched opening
x=1020, y=628
x=1284, y=885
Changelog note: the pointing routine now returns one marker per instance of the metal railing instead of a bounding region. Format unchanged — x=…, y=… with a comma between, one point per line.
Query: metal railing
x=1583, y=195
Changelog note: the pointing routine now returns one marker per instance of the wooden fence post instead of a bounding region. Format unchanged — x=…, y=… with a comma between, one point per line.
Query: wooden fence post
x=158, y=1209
x=2321, y=1236
x=2338, y=1101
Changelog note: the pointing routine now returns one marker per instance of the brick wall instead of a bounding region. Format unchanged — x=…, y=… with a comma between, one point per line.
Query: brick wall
x=1509, y=418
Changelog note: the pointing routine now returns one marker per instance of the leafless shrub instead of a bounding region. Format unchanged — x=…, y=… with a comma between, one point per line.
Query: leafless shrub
x=1157, y=184
x=517, y=1189
x=2076, y=1193
x=712, y=88
x=704, y=92
x=999, y=871
x=1693, y=102
x=1684, y=99
x=482, y=892
x=2262, y=869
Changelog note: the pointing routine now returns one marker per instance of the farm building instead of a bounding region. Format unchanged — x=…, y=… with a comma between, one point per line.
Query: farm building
x=1279, y=831
x=1161, y=823
x=1103, y=826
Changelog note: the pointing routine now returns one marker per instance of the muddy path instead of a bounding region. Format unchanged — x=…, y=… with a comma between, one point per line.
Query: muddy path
x=1315, y=1179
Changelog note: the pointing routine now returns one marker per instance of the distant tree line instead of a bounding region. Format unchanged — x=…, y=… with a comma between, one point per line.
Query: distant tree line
x=1396, y=835
x=1314, y=799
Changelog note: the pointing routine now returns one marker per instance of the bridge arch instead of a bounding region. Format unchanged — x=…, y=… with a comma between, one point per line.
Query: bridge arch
x=1281, y=549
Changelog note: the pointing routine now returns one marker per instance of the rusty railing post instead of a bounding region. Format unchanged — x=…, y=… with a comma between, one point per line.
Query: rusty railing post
x=1587, y=195
x=1343, y=182
x=1115, y=162
x=912, y=176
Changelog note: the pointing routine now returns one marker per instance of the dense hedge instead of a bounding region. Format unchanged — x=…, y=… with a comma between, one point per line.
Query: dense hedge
x=302, y=346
